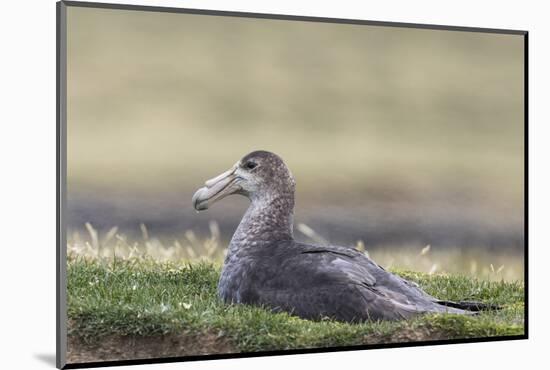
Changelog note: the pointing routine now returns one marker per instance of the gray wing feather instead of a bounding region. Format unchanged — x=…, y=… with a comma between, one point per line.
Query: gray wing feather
x=340, y=283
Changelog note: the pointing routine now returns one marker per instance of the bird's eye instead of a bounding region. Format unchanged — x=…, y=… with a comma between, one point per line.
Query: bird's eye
x=250, y=165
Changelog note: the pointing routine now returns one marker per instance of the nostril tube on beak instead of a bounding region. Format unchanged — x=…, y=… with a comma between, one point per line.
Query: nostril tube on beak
x=212, y=182
x=216, y=189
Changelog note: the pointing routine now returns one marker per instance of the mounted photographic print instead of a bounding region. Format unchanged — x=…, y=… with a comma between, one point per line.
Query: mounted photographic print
x=236, y=184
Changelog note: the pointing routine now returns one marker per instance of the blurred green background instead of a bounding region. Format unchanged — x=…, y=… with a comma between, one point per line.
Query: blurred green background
x=398, y=138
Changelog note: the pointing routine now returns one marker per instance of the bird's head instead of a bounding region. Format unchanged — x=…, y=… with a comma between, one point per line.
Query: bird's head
x=258, y=175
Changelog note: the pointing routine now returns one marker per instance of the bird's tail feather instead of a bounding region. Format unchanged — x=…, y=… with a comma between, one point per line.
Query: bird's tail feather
x=471, y=305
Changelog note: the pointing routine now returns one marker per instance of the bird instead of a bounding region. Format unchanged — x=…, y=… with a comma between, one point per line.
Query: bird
x=265, y=266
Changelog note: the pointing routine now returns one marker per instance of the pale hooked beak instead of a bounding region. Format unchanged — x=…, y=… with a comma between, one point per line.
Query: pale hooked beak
x=217, y=188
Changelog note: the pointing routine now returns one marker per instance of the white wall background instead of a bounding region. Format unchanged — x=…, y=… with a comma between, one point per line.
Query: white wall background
x=27, y=207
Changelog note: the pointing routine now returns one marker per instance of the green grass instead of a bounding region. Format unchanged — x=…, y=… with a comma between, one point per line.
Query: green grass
x=145, y=298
